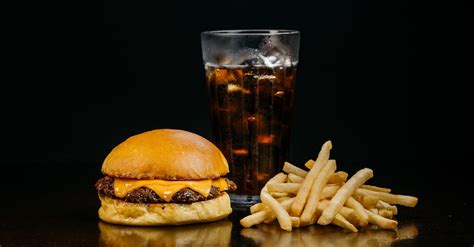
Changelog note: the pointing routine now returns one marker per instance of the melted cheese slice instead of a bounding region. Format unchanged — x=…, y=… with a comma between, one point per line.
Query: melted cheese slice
x=166, y=189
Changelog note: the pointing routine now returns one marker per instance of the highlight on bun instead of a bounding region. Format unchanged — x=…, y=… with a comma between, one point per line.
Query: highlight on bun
x=166, y=154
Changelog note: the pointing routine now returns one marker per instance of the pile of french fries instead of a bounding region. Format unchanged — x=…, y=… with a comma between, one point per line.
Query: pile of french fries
x=321, y=195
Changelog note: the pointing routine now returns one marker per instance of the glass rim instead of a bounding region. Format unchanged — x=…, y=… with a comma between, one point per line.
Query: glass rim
x=251, y=32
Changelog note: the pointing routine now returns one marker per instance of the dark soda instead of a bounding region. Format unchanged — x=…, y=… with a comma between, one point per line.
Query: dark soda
x=251, y=108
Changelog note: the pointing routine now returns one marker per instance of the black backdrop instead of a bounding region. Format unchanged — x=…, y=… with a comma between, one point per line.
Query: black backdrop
x=385, y=80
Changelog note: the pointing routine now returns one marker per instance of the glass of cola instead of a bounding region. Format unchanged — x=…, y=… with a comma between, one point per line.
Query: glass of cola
x=250, y=78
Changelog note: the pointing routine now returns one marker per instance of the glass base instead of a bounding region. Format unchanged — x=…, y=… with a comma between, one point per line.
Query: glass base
x=243, y=202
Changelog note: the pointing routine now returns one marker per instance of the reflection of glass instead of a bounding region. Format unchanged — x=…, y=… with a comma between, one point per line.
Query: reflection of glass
x=250, y=76
x=208, y=234
x=272, y=235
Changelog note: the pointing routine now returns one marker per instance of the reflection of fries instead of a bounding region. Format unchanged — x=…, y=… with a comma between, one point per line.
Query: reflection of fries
x=343, y=194
x=326, y=236
x=322, y=195
x=407, y=232
x=408, y=201
x=304, y=190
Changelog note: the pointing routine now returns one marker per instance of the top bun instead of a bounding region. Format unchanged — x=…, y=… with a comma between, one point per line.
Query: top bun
x=166, y=154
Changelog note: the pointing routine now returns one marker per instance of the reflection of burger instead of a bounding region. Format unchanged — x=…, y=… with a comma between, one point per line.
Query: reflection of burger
x=164, y=177
x=210, y=234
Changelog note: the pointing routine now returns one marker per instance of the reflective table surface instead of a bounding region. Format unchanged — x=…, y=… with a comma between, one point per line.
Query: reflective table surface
x=49, y=206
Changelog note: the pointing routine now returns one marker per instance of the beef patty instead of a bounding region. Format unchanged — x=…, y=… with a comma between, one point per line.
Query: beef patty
x=105, y=187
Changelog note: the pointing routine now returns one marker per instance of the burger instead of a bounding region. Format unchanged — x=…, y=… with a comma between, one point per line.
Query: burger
x=164, y=177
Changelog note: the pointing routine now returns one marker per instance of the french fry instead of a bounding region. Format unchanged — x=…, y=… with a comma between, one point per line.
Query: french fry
x=369, y=201
x=375, y=188
x=284, y=187
x=279, y=178
x=305, y=188
x=282, y=199
x=279, y=194
x=323, y=196
x=329, y=191
x=323, y=155
x=281, y=214
x=386, y=213
x=316, y=189
x=343, y=194
x=262, y=215
x=309, y=164
x=339, y=220
x=295, y=221
x=290, y=168
x=257, y=207
x=338, y=177
x=293, y=178
x=359, y=210
x=383, y=205
x=261, y=206
x=348, y=213
x=409, y=201
x=286, y=204
x=254, y=219
x=357, y=197
x=381, y=221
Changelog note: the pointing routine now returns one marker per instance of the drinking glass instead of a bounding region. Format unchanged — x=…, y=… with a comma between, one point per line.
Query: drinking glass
x=250, y=76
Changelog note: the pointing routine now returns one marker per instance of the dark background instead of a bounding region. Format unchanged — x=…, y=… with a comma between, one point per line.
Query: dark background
x=386, y=81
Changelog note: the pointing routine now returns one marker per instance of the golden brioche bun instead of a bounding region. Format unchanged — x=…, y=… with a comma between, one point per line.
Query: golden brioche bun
x=207, y=234
x=166, y=154
x=126, y=213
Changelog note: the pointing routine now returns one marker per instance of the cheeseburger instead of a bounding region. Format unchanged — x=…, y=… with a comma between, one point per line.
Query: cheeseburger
x=164, y=177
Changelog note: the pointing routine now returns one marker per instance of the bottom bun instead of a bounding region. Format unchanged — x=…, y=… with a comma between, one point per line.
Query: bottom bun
x=126, y=213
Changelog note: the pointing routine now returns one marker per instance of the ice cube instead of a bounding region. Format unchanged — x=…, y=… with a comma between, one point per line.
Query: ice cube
x=234, y=88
